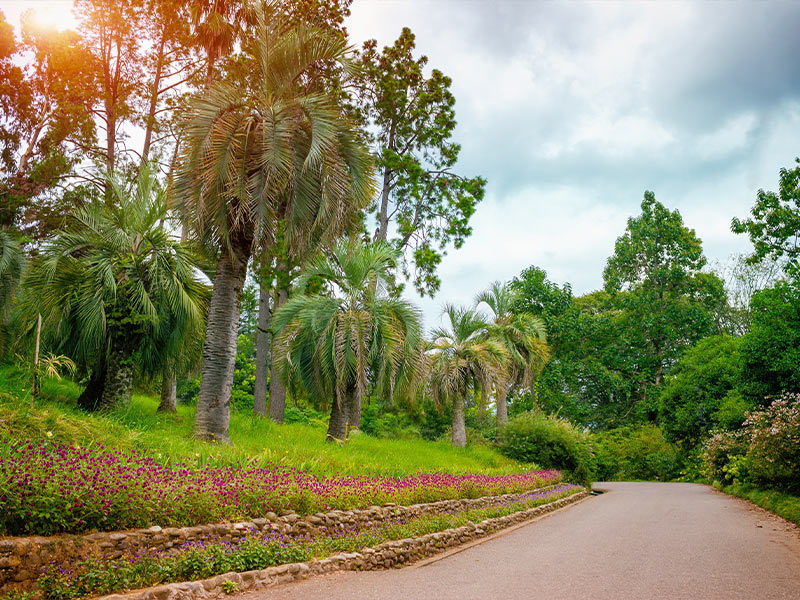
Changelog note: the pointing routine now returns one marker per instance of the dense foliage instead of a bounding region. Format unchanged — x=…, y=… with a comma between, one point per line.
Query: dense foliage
x=535, y=437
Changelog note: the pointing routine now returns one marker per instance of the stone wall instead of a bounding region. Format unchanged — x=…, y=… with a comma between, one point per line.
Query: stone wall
x=23, y=558
x=392, y=554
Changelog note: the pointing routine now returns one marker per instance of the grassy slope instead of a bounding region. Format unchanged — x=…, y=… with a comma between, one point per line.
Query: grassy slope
x=783, y=505
x=257, y=442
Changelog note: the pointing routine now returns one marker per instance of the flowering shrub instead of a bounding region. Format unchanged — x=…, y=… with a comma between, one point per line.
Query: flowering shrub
x=765, y=451
x=48, y=488
x=774, y=437
x=722, y=448
x=96, y=576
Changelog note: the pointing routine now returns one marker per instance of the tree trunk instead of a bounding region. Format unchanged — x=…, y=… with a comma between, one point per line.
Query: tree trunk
x=383, y=212
x=219, y=351
x=277, y=391
x=340, y=410
x=35, y=385
x=502, y=406
x=459, y=427
x=150, y=121
x=354, y=412
x=90, y=397
x=263, y=346
x=169, y=392
x=659, y=372
x=118, y=383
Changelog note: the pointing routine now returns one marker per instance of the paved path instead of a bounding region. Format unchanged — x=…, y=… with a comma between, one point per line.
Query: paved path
x=639, y=541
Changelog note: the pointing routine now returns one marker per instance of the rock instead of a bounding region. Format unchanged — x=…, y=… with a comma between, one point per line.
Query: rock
x=155, y=529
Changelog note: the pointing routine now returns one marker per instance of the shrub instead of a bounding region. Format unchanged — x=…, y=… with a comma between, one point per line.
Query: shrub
x=773, y=456
x=382, y=423
x=720, y=451
x=635, y=453
x=549, y=442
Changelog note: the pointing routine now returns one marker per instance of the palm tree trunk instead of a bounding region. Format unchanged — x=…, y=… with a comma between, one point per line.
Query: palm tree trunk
x=169, y=392
x=354, y=412
x=263, y=344
x=459, y=426
x=219, y=352
x=118, y=383
x=502, y=405
x=90, y=397
x=340, y=411
x=277, y=391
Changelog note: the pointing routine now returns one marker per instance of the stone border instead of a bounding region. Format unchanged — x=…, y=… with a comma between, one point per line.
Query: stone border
x=391, y=554
x=23, y=558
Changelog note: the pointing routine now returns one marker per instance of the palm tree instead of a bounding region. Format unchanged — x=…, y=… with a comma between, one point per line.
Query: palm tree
x=334, y=346
x=523, y=337
x=110, y=280
x=464, y=359
x=258, y=158
x=12, y=265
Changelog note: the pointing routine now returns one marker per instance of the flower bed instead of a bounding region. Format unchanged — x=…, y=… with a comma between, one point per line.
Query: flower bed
x=195, y=560
x=49, y=488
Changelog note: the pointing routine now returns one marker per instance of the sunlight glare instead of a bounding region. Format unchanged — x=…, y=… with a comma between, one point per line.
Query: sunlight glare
x=54, y=14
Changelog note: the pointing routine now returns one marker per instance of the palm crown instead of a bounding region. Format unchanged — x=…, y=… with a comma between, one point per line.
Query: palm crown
x=464, y=359
x=522, y=335
x=336, y=345
x=115, y=276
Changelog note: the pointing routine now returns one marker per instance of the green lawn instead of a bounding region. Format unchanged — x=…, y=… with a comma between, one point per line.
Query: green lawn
x=256, y=442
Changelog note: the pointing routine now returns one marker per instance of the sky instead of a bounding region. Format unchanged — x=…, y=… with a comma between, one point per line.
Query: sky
x=571, y=110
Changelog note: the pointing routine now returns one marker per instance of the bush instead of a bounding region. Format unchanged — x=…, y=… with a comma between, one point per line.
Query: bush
x=635, y=453
x=549, y=442
x=773, y=456
x=386, y=424
x=723, y=453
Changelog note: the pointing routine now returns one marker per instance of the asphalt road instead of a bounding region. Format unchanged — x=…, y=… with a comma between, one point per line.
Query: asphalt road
x=638, y=541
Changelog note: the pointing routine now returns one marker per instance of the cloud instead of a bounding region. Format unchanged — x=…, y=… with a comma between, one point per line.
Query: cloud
x=572, y=110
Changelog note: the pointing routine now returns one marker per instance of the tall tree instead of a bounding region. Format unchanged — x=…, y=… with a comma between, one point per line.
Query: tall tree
x=423, y=204
x=524, y=338
x=248, y=149
x=333, y=345
x=280, y=267
x=771, y=350
x=170, y=62
x=111, y=281
x=774, y=227
x=110, y=30
x=658, y=262
x=464, y=360
x=46, y=89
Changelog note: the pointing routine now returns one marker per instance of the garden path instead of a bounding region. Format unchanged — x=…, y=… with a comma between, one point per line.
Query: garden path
x=638, y=541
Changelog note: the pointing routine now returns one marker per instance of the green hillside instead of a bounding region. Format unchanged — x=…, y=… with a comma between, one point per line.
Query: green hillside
x=256, y=442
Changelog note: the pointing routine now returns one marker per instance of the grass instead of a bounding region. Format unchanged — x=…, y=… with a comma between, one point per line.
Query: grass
x=256, y=442
x=782, y=504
